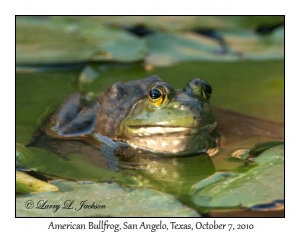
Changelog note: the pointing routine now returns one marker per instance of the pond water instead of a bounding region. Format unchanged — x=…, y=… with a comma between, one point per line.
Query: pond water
x=253, y=89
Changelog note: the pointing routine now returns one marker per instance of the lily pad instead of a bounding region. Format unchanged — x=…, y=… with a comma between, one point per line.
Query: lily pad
x=168, y=49
x=28, y=184
x=111, y=199
x=46, y=40
x=129, y=50
x=76, y=167
x=261, y=184
x=256, y=47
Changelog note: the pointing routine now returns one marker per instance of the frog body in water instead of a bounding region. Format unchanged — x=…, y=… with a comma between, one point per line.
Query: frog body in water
x=150, y=131
x=148, y=115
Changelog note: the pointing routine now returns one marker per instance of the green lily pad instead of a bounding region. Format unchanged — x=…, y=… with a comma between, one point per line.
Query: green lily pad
x=112, y=200
x=261, y=184
x=76, y=167
x=256, y=47
x=168, y=49
x=130, y=50
x=28, y=184
x=47, y=40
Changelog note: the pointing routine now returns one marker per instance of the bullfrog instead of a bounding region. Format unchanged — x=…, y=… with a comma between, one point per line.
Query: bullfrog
x=149, y=115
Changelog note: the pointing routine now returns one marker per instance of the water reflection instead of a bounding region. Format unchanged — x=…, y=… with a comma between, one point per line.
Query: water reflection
x=174, y=175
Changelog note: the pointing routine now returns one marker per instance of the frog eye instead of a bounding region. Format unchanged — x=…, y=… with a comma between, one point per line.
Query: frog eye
x=157, y=96
x=199, y=87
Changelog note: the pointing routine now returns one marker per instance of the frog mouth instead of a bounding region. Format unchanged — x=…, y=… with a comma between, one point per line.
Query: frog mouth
x=146, y=131
x=150, y=130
